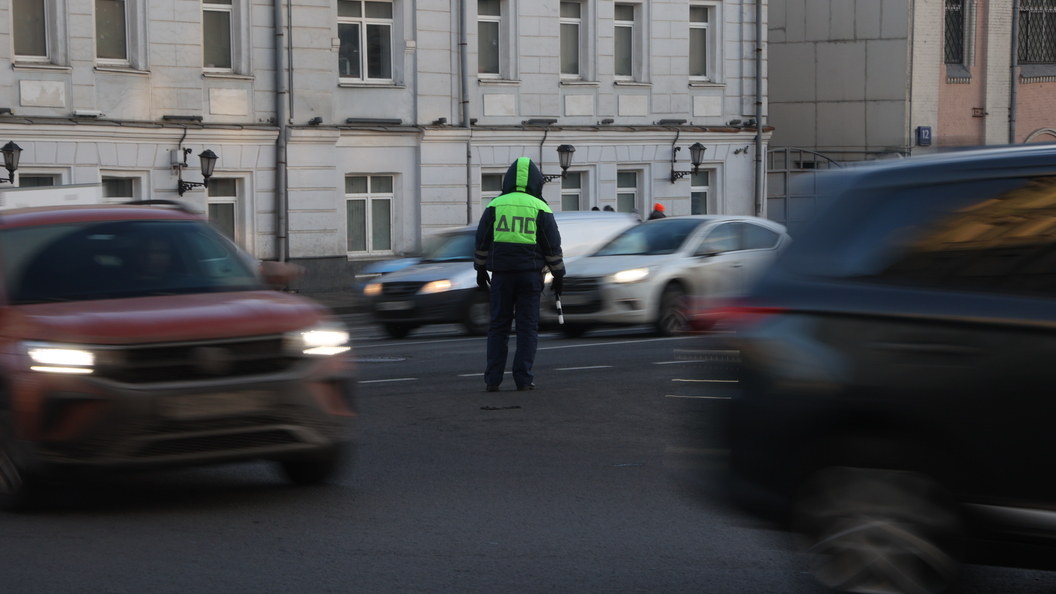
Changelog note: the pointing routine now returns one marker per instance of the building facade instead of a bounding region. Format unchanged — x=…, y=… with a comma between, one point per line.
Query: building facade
x=856, y=79
x=346, y=130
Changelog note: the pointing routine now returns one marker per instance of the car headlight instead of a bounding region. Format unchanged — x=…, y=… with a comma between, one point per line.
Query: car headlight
x=435, y=287
x=321, y=340
x=53, y=358
x=372, y=289
x=630, y=276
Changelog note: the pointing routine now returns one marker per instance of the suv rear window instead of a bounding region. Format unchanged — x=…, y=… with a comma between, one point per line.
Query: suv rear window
x=120, y=259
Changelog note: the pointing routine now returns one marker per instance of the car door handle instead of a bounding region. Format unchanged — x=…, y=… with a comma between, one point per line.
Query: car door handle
x=928, y=348
x=735, y=264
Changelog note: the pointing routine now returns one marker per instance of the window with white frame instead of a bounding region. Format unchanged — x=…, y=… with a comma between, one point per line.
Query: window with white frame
x=111, y=32
x=119, y=189
x=572, y=191
x=700, y=192
x=368, y=208
x=217, y=48
x=489, y=38
x=29, y=25
x=223, y=205
x=490, y=188
x=626, y=48
x=36, y=180
x=703, y=42
x=571, y=39
x=365, y=31
x=626, y=191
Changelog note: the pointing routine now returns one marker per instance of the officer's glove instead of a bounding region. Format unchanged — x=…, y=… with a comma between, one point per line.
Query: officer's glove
x=482, y=279
x=558, y=284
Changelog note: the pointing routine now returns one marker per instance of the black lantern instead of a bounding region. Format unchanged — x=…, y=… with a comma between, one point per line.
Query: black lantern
x=208, y=161
x=564, y=156
x=12, y=152
x=696, y=155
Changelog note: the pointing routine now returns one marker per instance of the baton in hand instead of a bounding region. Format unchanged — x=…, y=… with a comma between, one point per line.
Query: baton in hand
x=560, y=314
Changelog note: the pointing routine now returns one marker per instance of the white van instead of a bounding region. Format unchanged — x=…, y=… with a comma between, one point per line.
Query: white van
x=442, y=288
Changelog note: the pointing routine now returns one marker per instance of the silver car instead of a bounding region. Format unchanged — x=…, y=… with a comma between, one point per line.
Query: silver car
x=641, y=276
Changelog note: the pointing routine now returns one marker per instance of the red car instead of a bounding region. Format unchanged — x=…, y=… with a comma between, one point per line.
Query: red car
x=136, y=336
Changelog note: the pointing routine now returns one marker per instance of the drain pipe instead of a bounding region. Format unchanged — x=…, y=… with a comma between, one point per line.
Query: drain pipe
x=281, y=195
x=1013, y=83
x=463, y=51
x=760, y=173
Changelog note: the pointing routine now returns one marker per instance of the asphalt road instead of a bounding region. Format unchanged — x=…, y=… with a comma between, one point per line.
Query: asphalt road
x=583, y=485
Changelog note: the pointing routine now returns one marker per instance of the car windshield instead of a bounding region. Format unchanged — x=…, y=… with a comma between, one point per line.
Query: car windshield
x=120, y=259
x=452, y=247
x=664, y=236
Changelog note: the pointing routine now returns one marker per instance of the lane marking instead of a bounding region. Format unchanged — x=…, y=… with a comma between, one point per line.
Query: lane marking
x=666, y=362
x=400, y=343
x=587, y=367
x=480, y=374
x=605, y=344
x=710, y=381
x=401, y=379
x=699, y=397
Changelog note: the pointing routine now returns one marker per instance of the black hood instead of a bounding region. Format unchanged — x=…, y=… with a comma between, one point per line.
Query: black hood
x=527, y=174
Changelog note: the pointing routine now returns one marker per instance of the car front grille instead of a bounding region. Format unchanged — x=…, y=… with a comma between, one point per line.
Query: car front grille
x=139, y=364
x=581, y=284
x=401, y=289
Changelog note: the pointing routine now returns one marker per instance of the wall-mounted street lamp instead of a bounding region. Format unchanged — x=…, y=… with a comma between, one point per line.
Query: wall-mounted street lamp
x=208, y=160
x=11, y=154
x=564, y=155
x=696, y=155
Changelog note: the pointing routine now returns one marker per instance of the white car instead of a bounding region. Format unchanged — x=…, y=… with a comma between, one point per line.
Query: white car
x=641, y=275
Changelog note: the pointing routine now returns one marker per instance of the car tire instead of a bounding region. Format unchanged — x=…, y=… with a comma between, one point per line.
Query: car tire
x=314, y=469
x=869, y=530
x=671, y=317
x=18, y=490
x=395, y=330
x=478, y=314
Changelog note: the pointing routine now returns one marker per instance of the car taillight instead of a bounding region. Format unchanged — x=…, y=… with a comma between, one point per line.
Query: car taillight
x=728, y=316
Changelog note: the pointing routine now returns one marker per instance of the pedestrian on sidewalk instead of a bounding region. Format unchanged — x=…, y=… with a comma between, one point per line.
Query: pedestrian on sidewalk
x=658, y=212
x=516, y=238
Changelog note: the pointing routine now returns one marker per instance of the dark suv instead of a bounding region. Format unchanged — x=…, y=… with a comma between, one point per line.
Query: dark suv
x=897, y=368
x=136, y=337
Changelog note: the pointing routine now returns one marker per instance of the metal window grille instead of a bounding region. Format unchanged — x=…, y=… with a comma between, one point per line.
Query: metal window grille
x=954, y=34
x=1037, y=32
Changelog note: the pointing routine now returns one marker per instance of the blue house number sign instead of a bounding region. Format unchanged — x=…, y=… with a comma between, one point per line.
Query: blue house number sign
x=923, y=135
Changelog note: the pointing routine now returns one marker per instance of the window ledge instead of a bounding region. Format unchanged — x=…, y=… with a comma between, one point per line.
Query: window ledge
x=957, y=71
x=498, y=82
x=369, y=85
x=122, y=70
x=705, y=84
x=40, y=66
x=1028, y=71
x=365, y=256
x=579, y=83
x=631, y=83
x=227, y=76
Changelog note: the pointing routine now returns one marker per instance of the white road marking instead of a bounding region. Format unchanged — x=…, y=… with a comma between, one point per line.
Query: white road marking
x=710, y=381
x=699, y=397
x=666, y=362
x=587, y=367
x=480, y=374
x=402, y=343
x=605, y=344
x=401, y=379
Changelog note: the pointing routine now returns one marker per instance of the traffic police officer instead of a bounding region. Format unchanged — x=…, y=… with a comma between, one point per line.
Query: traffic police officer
x=517, y=236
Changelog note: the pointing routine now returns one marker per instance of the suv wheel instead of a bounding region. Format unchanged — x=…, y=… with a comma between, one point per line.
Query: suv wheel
x=671, y=318
x=873, y=530
x=314, y=469
x=398, y=330
x=478, y=314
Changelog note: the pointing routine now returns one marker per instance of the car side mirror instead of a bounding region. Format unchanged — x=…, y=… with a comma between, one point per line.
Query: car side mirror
x=279, y=275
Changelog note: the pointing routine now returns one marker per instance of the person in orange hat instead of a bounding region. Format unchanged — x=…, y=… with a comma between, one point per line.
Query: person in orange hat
x=658, y=212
